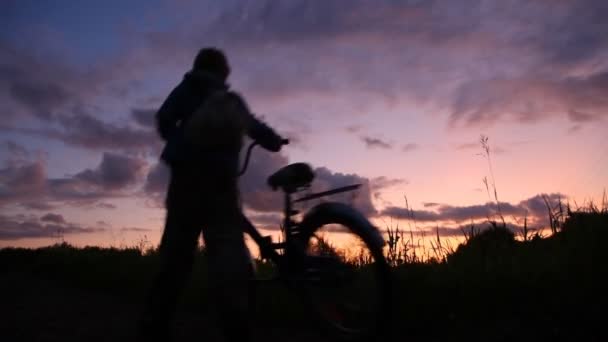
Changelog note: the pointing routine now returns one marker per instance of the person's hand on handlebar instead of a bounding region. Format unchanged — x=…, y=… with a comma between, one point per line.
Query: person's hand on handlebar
x=276, y=147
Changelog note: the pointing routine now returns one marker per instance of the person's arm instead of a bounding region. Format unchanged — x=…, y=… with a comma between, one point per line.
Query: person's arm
x=258, y=130
x=167, y=116
x=263, y=134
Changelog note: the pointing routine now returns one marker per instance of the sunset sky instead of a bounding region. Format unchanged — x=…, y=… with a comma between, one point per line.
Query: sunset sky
x=391, y=94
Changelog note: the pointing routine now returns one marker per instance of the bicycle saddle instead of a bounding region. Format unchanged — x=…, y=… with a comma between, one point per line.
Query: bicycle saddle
x=292, y=177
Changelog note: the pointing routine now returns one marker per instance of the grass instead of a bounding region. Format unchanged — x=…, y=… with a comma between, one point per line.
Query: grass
x=542, y=286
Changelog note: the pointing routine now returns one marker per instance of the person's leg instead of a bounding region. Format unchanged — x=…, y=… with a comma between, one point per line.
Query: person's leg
x=177, y=250
x=229, y=265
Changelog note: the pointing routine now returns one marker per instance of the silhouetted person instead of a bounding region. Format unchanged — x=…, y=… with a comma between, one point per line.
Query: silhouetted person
x=203, y=195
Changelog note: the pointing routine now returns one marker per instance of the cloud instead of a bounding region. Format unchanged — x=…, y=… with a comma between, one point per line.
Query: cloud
x=22, y=181
x=156, y=184
x=105, y=205
x=55, y=218
x=115, y=172
x=44, y=85
x=49, y=97
x=382, y=182
x=135, y=229
x=376, y=143
x=26, y=183
x=361, y=199
x=115, y=175
x=40, y=98
x=534, y=208
x=474, y=60
x=506, y=59
x=37, y=205
x=19, y=227
x=15, y=150
x=144, y=117
x=529, y=99
x=255, y=192
x=410, y=147
x=257, y=195
x=90, y=132
x=460, y=231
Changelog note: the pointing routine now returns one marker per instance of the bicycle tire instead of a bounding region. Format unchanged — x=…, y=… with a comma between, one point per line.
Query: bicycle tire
x=328, y=215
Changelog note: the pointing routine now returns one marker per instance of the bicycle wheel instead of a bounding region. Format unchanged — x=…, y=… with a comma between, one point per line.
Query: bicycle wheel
x=344, y=277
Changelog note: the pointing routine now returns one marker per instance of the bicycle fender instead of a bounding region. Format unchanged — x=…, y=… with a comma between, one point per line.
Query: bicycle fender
x=334, y=212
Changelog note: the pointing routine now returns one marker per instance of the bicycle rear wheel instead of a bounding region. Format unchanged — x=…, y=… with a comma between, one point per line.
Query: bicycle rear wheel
x=344, y=277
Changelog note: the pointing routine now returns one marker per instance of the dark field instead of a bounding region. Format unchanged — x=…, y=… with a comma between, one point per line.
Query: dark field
x=493, y=288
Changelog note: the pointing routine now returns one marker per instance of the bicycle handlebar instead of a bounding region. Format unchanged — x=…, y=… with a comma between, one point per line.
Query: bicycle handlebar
x=248, y=155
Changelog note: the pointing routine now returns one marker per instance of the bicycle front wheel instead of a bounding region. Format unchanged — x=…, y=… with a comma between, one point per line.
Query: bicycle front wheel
x=344, y=277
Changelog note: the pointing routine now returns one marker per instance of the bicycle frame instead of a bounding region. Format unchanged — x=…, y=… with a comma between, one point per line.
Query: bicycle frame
x=268, y=248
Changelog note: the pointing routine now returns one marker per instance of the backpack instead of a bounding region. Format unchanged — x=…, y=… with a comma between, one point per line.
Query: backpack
x=219, y=123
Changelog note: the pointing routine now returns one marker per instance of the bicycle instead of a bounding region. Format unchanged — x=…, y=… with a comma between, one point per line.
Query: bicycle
x=319, y=272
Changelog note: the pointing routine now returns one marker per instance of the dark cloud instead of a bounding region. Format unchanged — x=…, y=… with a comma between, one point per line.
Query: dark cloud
x=22, y=181
x=90, y=132
x=157, y=181
x=477, y=61
x=144, y=117
x=15, y=150
x=383, y=182
x=256, y=194
x=361, y=199
x=579, y=117
x=574, y=32
x=55, y=218
x=37, y=205
x=25, y=182
x=19, y=227
x=534, y=208
x=525, y=99
x=410, y=147
x=259, y=197
x=40, y=98
x=353, y=129
x=300, y=20
x=135, y=229
x=44, y=85
x=112, y=178
x=105, y=205
x=510, y=58
x=114, y=172
x=371, y=142
x=62, y=97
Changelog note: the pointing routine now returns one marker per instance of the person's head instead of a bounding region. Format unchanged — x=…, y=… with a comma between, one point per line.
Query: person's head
x=212, y=60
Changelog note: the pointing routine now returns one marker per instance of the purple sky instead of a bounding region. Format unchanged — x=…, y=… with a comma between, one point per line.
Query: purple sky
x=392, y=94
